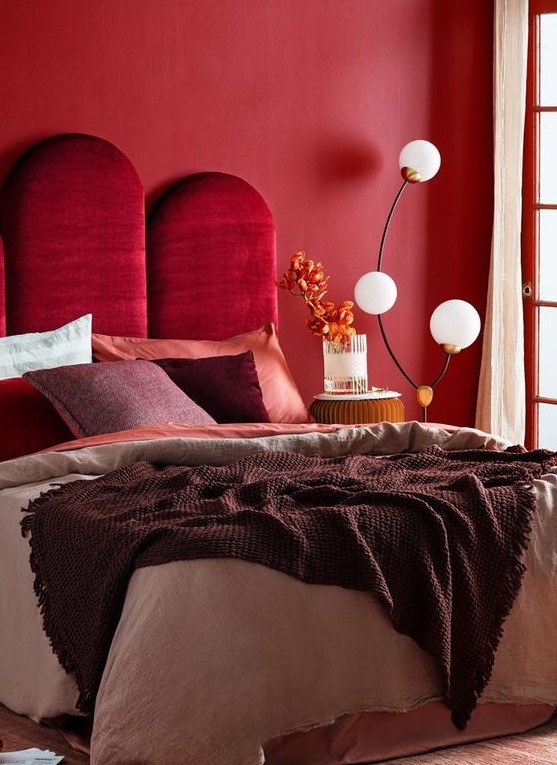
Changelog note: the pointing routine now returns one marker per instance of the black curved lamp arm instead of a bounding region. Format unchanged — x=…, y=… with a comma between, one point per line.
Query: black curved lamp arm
x=379, y=317
x=388, y=223
x=442, y=372
x=392, y=353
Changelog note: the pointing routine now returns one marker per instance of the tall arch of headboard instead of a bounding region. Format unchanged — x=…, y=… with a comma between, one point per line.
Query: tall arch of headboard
x=72, y=216
x=211, y=263
x=73, y=224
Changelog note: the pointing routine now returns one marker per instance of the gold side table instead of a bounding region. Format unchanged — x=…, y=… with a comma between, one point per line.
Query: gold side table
x=357, y=409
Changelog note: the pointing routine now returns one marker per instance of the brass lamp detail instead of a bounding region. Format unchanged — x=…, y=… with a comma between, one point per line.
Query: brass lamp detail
x=424, y=395
x=455, y=324
x=410, y=175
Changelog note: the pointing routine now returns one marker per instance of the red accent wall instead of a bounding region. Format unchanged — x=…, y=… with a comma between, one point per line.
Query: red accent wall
x=310, y=101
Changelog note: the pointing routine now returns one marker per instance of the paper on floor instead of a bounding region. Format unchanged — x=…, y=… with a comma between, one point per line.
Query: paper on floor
x=30, y=757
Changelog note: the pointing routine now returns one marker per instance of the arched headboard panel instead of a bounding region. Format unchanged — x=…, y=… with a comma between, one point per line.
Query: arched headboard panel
x=211, y=260
x=73, y=223
x=72, y=215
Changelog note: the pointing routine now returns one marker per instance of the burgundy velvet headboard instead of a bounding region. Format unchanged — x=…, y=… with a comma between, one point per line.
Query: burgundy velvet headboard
x=72, y=218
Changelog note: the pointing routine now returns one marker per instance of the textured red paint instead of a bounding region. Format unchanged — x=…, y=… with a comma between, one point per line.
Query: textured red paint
x=308, y=101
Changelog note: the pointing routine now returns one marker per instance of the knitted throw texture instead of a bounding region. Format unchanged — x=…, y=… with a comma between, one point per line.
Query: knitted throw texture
x=436, y=537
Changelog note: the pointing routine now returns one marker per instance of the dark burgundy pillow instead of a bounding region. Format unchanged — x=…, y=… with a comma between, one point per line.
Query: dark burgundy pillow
x=115, y=395
x=28, y=421
x=225, y=386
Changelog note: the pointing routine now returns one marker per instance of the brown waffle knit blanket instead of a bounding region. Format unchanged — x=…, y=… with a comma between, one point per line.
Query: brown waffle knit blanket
x=436, y=537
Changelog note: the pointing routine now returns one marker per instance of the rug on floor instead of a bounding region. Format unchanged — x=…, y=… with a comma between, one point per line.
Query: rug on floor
x=536, y=747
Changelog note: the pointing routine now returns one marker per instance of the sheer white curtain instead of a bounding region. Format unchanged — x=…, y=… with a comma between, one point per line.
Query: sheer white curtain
x=501, y=394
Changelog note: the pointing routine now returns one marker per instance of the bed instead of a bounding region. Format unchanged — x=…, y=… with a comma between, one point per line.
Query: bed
x=226, y=655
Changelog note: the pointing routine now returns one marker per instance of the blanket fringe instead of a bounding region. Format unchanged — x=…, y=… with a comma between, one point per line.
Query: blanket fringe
x=86, y=696
x=45, y=496
x=510, y=586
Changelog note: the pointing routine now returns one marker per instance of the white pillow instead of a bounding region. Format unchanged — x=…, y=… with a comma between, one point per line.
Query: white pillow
x=70, y=344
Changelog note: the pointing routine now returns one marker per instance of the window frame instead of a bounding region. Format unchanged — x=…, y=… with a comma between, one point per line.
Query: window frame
x=530, y=232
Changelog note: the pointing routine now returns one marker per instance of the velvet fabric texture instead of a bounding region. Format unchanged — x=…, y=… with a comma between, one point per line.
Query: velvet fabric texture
x=227, y=387
x=280, y=394
x=73, y=220
x=105, y=398
x=211, y=263
x=72, y=217
x=28, y=421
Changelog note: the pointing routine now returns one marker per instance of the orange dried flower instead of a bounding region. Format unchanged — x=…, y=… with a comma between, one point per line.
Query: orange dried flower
x=307, y=279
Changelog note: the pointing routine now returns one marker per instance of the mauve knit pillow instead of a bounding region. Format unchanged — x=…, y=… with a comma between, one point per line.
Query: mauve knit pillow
x=225, y=386
x=115, y=395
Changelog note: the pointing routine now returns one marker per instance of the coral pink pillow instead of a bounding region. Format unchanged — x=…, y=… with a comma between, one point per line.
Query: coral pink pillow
x=28, y=421
x=105, y=398
x=280, y=394
x=225, y=386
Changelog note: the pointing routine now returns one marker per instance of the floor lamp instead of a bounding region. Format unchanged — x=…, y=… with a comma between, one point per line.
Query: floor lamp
x=454, y=324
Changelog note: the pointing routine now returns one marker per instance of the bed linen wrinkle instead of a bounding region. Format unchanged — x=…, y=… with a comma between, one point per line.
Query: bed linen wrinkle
x=210, y=608
x=360, y=522
x=221, y=444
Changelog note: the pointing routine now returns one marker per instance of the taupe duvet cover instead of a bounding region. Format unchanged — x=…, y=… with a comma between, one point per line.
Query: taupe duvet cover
x=213, y=658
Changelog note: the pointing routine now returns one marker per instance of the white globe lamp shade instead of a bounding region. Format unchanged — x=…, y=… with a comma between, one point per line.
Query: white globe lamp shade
x=455, y=323
x=421, y=157
x=375, y=292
